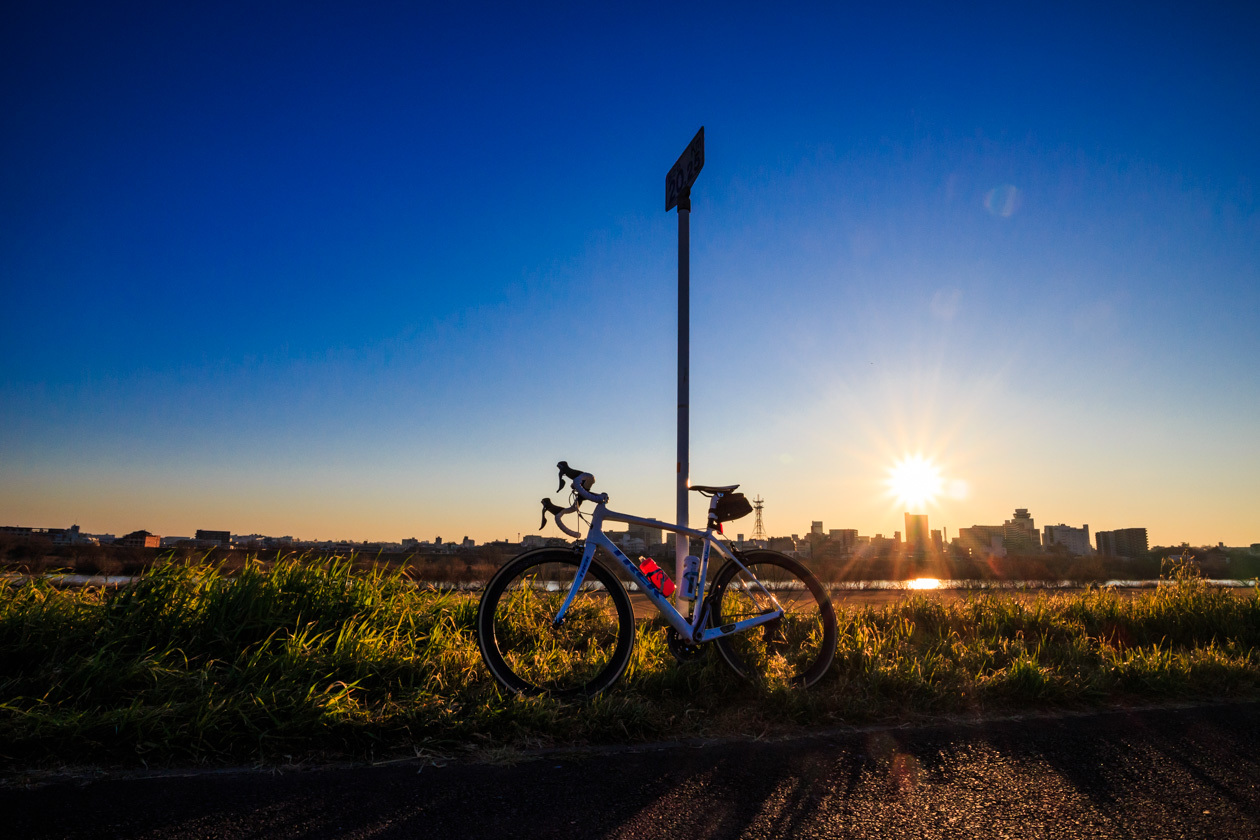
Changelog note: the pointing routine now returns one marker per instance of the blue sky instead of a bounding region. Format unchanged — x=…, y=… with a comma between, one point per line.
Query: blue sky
x=368, y=272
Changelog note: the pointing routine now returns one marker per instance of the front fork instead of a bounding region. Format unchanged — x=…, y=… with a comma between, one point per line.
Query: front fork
x=588, y=555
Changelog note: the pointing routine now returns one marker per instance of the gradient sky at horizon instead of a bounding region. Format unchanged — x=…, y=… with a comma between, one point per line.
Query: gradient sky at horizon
x=368, y=271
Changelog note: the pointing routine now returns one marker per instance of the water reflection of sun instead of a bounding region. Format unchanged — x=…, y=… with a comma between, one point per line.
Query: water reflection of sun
x=915, y=481
x=923, y=583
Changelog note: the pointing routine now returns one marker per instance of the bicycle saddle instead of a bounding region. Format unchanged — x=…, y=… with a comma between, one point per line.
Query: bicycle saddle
x=703, y=488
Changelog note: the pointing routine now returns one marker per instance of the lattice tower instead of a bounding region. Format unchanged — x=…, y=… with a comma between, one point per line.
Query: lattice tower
x=759, y=530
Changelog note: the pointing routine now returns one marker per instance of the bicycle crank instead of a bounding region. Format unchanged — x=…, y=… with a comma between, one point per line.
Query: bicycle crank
x=682, y=651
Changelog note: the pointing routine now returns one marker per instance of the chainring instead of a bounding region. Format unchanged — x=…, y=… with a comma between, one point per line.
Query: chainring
x=682, y=651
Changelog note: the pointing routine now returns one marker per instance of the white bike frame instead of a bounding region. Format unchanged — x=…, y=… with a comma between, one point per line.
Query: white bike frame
x=689, y=628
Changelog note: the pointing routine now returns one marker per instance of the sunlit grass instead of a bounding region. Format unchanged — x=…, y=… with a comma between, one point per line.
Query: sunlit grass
x=305, y=659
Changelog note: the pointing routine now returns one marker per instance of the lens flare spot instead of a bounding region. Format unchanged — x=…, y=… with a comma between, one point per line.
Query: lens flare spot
x=1002, y=201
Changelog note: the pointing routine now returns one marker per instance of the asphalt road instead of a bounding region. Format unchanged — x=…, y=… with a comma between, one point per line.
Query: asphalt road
x=1142, y=774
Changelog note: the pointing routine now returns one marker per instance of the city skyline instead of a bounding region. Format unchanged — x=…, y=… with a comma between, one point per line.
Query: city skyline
x=373, y=271
x=917, y=531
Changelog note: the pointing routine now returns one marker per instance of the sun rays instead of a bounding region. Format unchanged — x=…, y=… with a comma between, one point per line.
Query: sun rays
x=915, y=482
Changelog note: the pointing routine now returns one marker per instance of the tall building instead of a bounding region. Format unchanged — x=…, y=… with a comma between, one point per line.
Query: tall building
x=1020, y=533
x=1123, y=542
x=918, y=537
x=1075, y=540
x=816, y=527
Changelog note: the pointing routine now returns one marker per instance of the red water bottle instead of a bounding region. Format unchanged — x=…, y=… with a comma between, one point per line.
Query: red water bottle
x=657, y=576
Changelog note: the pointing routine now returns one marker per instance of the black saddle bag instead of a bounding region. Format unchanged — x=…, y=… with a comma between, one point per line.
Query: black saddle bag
x=732, y=506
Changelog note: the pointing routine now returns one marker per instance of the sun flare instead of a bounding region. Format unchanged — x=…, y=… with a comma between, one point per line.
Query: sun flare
x=915, y=481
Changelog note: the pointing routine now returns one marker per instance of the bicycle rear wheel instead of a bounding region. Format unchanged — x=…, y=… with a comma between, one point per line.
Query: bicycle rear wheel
x=798, y=647
x=522, y=648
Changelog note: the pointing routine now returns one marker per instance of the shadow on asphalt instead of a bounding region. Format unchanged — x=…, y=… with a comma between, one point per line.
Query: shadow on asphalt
x=1170, y=773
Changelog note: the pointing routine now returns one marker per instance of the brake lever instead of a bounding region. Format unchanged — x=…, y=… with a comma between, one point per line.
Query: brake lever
x=566, y=472
x=549, y=507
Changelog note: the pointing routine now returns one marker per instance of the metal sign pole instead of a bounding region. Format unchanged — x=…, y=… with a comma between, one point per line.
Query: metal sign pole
x=681, y=542
x=678, y=183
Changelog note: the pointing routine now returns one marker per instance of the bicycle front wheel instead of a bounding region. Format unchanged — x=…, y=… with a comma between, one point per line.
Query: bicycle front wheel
x=523, y=648
x=798, y=647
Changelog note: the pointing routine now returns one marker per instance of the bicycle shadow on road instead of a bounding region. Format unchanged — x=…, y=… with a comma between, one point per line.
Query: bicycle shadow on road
x=1126, y=774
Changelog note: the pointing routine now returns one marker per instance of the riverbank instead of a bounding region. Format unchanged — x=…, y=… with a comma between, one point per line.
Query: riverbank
x=294, y=660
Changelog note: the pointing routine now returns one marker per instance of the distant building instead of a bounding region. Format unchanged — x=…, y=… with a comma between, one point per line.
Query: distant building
x=57, y=536
x=1106, y=541
x=938, y=542
x=983, y=540
x=882, y=545
x=784, y=544
x=816, y=527
x=1075, y=540
x=1123, y=542
x=1019, y=534
x=139, y=539
x=650, y=536
x=918, y=537
x=845, y=538
x=223, y=538
x=629, y=544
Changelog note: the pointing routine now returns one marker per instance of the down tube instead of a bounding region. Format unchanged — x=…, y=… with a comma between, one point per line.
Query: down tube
x=661, y=603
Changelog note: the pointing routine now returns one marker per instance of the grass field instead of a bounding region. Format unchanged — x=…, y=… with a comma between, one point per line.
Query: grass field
x=300, y=660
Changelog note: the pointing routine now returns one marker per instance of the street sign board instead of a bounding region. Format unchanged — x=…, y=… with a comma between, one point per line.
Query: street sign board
x=684, y=172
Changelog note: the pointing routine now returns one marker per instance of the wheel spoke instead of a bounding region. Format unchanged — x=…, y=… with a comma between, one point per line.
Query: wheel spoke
x=798, y=647
x=525, y=649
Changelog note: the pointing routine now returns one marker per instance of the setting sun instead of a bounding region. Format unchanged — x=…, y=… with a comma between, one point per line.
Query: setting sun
x=914, y=481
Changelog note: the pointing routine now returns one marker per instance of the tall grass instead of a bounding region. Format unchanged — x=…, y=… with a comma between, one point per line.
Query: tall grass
x=302, y=658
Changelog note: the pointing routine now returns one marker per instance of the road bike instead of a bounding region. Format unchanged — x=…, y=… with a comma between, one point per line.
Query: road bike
x=558, y=620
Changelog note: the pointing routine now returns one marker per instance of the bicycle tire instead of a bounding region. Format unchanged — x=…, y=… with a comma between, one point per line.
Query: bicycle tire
x=798, y=647
x=526, y=654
